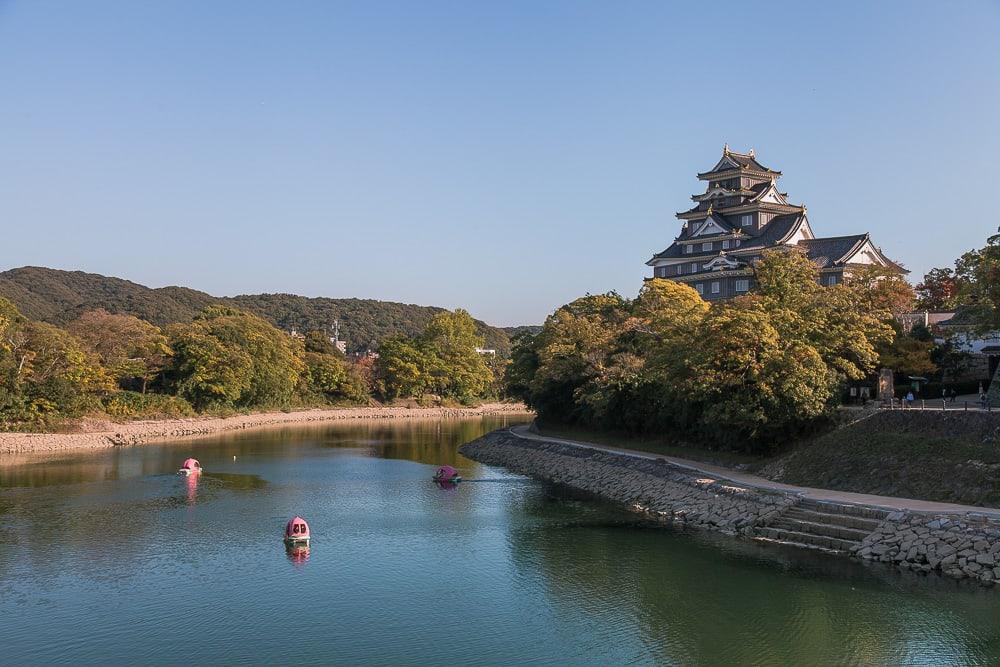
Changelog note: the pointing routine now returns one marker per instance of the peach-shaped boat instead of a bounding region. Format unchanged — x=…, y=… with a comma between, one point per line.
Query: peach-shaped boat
x=447, y=474
x=297, y=531
x=190, y=467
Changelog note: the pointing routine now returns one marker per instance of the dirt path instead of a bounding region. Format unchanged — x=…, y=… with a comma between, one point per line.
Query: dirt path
x=140, y=432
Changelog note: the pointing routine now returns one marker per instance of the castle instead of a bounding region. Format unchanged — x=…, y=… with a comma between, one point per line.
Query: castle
x=741, y=214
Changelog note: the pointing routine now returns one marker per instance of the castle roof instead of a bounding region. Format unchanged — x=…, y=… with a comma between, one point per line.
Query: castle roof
x=841, y=250
x=741, y=161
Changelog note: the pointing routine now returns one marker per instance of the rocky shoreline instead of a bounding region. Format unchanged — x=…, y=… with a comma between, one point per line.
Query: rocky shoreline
x=960, y=546
x=142, y=432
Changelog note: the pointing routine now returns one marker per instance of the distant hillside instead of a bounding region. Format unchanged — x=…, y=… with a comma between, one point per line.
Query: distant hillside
x=532, y=329
x=59, y=297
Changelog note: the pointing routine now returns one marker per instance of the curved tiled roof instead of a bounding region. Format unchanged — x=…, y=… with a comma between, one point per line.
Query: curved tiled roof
x=744, y=160
x=774, y=232
x=832, y=250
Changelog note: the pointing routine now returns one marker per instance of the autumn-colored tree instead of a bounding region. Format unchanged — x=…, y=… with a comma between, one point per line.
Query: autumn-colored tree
x=883, y=289
x=44, y=370
x=129, y=348
x=939, y=291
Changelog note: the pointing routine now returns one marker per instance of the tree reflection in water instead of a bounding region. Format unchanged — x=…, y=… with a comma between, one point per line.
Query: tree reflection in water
x=711, y=599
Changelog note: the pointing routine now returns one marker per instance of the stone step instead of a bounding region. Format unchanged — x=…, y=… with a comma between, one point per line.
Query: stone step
x=798, y=545
x=786, y=522
x=825, y=507
x=792, y=536
x=845, y=520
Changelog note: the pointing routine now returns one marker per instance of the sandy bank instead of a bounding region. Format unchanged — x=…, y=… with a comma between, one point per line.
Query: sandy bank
x=141, y=432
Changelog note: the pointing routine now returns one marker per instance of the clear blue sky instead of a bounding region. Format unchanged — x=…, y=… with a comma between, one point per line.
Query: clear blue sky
x=504, y=157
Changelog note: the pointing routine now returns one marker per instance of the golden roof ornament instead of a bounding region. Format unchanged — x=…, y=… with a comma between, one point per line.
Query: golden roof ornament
x=725, y=149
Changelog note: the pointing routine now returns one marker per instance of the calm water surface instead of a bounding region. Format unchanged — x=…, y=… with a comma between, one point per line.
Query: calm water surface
x=111, y=558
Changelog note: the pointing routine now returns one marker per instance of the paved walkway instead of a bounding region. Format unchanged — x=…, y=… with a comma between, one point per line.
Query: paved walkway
x=719, y=472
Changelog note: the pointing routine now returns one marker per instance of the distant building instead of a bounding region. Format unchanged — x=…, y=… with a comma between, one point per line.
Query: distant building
x=486, y=351
x=924, y=318
x=335, y=338
x=296, y=335
x=740, y=215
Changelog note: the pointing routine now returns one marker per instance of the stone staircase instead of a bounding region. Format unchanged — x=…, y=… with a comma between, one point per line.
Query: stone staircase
x=826, y=526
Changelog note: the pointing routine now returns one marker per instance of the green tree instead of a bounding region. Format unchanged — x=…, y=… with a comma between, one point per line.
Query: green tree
x=403, y=368
x=574, y=350
x=229, y=358
x=522, y=367
x=457, y=370
x=331, y=376
x=318, y=341
x=908, y=356
x=845, y=323
x=751, y=382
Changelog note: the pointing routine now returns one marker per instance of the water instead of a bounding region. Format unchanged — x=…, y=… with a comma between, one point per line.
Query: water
x=110, y=558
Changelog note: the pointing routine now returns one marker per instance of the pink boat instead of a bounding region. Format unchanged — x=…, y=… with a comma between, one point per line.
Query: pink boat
x=297, y=531
x=190, y=467
x=447, y=474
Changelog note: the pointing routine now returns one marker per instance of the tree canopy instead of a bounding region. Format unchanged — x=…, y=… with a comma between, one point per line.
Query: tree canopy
x=741, y=372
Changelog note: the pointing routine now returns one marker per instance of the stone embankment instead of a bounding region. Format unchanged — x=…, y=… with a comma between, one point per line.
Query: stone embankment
x=960, y=546
x=655, y=487
x=110, y=434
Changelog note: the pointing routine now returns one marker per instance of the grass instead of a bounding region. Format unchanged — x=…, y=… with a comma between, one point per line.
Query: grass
x=946, y=457
x=663, y=445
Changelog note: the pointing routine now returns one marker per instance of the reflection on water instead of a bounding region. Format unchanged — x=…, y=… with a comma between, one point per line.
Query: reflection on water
x=108, y=557
x=192, y=488
x=298, y=554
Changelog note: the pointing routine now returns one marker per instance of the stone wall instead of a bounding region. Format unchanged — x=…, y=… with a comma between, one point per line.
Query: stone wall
x=654, y=487
x=958, y=546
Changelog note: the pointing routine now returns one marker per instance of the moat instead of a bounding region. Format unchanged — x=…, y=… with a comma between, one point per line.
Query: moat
x=109, y=557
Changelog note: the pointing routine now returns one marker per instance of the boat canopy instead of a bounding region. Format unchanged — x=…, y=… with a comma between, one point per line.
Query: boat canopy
x=297, y=527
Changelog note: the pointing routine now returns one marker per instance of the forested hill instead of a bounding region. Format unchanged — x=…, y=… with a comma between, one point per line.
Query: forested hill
x=59, y=297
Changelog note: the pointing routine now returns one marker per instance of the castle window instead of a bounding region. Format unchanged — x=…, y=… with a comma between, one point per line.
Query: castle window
x=700, y=288
x=831, y=280
x=725, y=244
x=694, y=268
x=715, y=287
x=680, y=269
x=737, y=243
x=706, y=247
x=687, y=250
x=746, y=220
x=742, y=285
